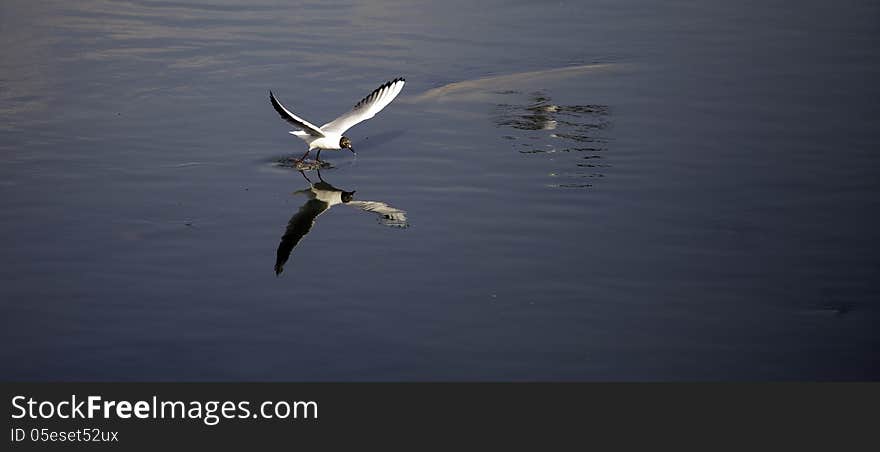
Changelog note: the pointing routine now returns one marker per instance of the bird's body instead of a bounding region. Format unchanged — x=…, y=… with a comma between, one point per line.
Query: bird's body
x=330, y=136
x=326, y=142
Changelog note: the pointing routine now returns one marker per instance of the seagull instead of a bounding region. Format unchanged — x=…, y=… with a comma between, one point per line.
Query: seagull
x=329, y=136
x=321, y=196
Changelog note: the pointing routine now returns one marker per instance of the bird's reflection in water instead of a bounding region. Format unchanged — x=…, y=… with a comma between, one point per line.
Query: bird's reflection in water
x=321, y=196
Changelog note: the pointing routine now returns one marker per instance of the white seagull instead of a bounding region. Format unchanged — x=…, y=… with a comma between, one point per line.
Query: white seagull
x=329, y=136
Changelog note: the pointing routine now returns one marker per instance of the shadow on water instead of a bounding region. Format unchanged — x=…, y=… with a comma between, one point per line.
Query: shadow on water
x=574, y=133
x=320, y=197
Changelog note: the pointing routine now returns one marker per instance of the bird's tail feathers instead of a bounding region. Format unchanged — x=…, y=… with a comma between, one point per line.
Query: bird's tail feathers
x=303, y=135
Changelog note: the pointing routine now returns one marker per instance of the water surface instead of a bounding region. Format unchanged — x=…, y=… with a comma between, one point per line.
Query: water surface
x=699, y=203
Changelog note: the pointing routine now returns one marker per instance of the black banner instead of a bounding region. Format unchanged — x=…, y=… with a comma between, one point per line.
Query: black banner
x=149, y=416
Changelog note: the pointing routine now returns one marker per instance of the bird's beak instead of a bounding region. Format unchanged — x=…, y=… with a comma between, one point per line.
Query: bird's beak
x=352, y=150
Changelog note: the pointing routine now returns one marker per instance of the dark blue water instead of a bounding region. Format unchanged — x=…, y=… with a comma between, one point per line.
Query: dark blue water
x=701, y=204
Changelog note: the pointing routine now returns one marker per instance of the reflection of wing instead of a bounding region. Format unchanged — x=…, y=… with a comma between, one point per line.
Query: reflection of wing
x=389, y=216
x=286, y=115
x=298, y=226
x=367, y=107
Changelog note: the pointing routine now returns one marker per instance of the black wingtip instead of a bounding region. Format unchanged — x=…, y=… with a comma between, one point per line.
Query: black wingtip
x=391, y=82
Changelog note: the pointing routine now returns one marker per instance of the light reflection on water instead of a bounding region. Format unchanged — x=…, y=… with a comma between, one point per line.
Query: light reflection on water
x=544, y=127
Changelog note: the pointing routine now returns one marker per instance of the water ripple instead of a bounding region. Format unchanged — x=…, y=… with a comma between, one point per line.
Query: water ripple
x=543, y=128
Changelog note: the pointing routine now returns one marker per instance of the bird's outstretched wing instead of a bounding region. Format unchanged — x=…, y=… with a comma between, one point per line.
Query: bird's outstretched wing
x=388, y=216
x=286, y=115
x=367, y=107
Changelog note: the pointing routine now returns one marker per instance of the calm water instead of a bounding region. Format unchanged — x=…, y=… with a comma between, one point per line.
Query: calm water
x=699, y=203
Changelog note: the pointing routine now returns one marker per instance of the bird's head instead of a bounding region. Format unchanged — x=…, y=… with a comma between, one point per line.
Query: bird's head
x=345, y=143
x=347, y=196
